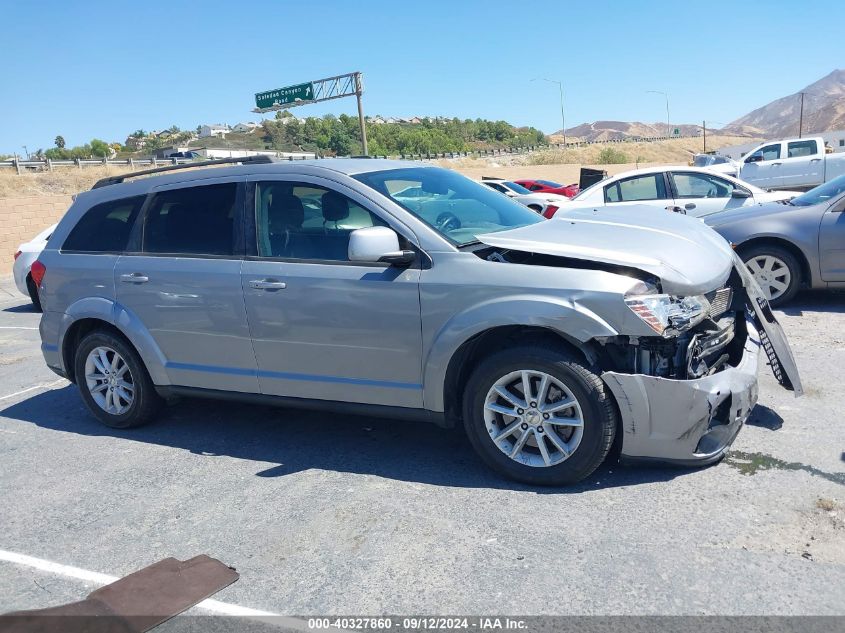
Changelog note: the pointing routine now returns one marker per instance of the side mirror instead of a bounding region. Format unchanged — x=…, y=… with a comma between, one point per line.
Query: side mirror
x=740, y=193
x=754, y=158
x=378, y=244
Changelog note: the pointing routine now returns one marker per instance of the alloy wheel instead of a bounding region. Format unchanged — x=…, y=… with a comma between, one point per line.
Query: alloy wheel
x=771, y=273
x=533, y=418
x=109, y=380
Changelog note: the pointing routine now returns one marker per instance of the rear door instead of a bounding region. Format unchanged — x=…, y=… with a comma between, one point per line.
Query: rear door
x=182, y=282
x=763, y=167
x=324, y=327
x=648, y=189
x=803, y=165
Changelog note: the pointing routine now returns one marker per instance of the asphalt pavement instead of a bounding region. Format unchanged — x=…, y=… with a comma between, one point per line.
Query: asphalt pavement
x=325, y=514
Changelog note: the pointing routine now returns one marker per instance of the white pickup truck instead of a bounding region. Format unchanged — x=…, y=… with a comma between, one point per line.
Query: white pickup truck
x=793, y=163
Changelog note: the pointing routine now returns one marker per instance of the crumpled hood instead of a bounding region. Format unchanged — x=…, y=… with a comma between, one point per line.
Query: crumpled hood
x=687, y=256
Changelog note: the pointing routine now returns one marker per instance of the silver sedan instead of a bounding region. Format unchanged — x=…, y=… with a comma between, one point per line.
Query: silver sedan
x=791, y=244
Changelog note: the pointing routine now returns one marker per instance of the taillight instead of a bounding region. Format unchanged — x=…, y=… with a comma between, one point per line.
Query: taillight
x=37, y=272
x=17, y=254
x=550, y=211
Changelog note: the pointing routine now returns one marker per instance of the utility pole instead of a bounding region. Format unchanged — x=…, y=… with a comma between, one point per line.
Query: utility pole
x=801, y=116
x=359, y=89
x=562, y=115
x=704, y=129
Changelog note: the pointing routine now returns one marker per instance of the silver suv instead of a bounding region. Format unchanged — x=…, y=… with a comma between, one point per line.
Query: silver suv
x=404, y=290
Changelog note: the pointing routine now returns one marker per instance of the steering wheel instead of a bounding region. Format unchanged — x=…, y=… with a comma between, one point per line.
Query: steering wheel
x=447, y=221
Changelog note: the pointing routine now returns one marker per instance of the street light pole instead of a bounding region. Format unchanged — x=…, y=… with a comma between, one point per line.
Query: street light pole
x=668, y=126
x=562, y=114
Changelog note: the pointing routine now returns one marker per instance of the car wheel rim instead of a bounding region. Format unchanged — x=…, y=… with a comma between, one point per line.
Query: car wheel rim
x=771, y=273
x=109, y=380
x=533, y=418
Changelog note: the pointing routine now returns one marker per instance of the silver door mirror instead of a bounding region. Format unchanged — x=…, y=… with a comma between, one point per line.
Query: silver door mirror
x=378, y=244
x=740, y=193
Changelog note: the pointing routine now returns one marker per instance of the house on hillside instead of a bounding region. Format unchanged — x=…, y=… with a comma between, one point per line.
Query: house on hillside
x=216, y=129
x=377, y=120
x=135, y=143
x=245, y=128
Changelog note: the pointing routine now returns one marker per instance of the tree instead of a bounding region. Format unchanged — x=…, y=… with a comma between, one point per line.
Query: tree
x=60, y=142
x=138, y=134
x=100, y=148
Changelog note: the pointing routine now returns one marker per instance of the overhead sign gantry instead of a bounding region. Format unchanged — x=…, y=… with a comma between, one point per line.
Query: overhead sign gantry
x=351, y=84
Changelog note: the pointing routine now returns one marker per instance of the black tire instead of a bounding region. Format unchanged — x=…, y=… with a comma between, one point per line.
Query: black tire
x=789, y=260
x=33, y=293
x=146, y=402
x=598, y=411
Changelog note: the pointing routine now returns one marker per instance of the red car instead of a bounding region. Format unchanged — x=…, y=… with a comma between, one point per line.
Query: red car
x=547, y=186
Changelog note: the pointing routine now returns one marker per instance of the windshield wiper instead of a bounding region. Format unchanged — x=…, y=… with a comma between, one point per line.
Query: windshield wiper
x=470, y=243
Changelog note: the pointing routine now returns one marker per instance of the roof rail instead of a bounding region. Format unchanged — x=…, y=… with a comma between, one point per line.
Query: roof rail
x=246, y=160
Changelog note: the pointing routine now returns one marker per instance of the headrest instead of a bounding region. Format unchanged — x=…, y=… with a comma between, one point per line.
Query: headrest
x=285, y=212
x=335, y=206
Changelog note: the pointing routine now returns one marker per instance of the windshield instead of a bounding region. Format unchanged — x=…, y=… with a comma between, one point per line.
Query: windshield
x=822, y=193
x=549, y=183
x=515, y=187
x=453, y=205
x=705, y=160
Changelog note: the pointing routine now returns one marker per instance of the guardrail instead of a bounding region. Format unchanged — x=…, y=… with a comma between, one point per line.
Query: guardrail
x=48, y=165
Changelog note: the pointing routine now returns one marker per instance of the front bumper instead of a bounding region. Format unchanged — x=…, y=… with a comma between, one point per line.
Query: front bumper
x=686, y=421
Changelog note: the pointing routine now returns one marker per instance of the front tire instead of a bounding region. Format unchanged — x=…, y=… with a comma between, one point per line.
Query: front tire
x=559, y=434
x=113, y=381
x=776, y=270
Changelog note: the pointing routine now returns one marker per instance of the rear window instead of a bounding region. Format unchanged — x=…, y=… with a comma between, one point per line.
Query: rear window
x=192, y=221
x=105, y=227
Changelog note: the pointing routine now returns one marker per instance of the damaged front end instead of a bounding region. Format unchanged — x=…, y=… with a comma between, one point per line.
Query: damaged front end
x=684, y=393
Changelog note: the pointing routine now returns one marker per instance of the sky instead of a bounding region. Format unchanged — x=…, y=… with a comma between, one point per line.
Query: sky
x=92, y=69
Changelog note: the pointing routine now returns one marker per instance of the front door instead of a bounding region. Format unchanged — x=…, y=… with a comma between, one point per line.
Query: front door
x=832, y=243
x=702, y=194
x=183, y=284
x=763, y=167
x=324, y=327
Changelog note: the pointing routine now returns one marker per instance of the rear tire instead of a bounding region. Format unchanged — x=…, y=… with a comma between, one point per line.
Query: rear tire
x=569, y=452
x=33, y=293
x=776, y=270
x=113, y=381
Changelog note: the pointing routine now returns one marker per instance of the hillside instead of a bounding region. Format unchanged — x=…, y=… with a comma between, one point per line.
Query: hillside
x=623, y=130
x=824, y=110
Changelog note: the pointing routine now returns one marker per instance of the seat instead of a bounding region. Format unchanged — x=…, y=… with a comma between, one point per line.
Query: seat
x=335, y=240
x=285, y=216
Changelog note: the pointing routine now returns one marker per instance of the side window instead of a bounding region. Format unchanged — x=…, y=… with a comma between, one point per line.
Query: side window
x=689, y=185
x=303, y=221
x=105, y=227
x=535, y=187
x=797, y=149
x=650, y=187
x=192, y=221
x=770, y=152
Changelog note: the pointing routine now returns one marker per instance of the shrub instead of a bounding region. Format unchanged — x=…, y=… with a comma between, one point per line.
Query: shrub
x=611, y=156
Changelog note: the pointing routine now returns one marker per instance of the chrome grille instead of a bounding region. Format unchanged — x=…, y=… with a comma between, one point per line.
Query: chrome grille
x=720, y=301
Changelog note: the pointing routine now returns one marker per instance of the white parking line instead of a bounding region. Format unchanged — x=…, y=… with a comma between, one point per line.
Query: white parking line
x=215, y=606
x=16, y=327
x=43, y=386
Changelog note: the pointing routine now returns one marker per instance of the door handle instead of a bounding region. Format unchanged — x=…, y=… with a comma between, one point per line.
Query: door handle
x=775, y=164
x=815, y=160
x=134, y=278
x=267, y=284
x=689, y=206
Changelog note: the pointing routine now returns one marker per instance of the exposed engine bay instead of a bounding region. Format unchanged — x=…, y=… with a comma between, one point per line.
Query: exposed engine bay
x=710, y=346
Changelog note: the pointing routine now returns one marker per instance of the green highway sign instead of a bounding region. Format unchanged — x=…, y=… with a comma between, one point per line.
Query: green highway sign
x=284, y=96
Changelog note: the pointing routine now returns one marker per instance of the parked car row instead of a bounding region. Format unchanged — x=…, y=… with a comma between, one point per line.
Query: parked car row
x=407, y=290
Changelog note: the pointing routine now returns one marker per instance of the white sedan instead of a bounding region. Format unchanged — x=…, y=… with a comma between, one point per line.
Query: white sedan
x=690, y=190
x=27, y=253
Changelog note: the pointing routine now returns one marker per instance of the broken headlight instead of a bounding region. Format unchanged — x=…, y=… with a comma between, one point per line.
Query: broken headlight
x=669, y=315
